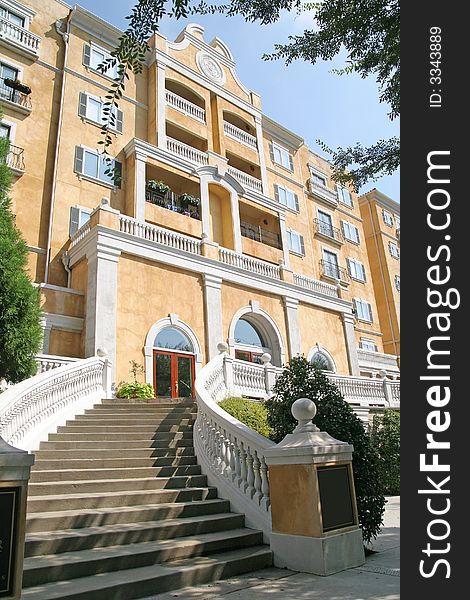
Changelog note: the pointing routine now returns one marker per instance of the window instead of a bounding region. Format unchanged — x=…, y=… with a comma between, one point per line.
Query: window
x=246, y=333
x=172, y=338
x=397, y=222
x=296, y=242
x=281, y=156
x=387, y=217
x=90, y=163
x=8, y=72
x=91, y=107
x=317, y=178
x=12, y=17
x=356, y=270
x=351, y=232
x=393, y=248
x=344, y=196
x=286, y=197
x=325, y=224
x=397, y=282
x=331, y=267
x=322, y=361
x=94, y=55
x=369, y=345
x=363, y=310
x=78, y=217
x=5, y=131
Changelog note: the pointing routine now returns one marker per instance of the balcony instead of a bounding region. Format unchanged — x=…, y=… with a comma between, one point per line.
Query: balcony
x=171, y=201
x=246, y=180
x=189, y=153
x=20, y=38
x=327, y=231
x=323, y=193
x=332, y=271
x=254, y=232
x=15, y=159
x=241, y=136
x=14, y=99
x=185, y=106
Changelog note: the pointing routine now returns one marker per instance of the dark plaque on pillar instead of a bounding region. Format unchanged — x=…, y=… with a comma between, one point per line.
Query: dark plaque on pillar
x=336, y=497
x=9, y=512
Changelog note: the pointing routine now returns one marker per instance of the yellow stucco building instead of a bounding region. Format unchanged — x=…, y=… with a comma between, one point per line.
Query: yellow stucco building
x=250, y=243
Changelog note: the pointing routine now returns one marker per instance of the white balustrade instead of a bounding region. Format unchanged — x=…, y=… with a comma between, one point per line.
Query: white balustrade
x=323, y=192
x=32, y=409
x=239, y=135
x=314, y=285
x=231, y=454
x=80, y=234
x=187, y=152
x=46, y=362
x=246, y=180
x=254, y=265
x=365, y=391
x=159, y=235
x=19, y=36
x=185, y=106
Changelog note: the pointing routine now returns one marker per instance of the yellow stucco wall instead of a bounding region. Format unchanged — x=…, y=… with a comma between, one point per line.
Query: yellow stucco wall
x=66, y=343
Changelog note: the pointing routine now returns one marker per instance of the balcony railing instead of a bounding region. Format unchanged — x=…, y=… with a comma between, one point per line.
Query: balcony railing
x=316, y=286
x=323, y=192
x=171, y=201
x=185, y=106
x=254, y=232
x=11, y=95
x=253, y=265
x=333, y=271
x=19, y=36
x=15, y=158
x=187, y=152
x=246, y=180
x=239, y=135
x=327, y=230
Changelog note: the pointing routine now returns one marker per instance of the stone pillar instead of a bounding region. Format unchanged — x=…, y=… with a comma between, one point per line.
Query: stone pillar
x=213, y=313
x=285, y=241
x=139, y=185
x=315, y=527
x=15, y=467
x=293, y=329
x=46, y=335
x=262, y=159
x=205, y=210
x=101, y=304
x=236, y=232
x=161, y=107
x=350, y=338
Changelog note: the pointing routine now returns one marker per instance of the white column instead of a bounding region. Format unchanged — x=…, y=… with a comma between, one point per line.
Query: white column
x=139, y=185
x=293, y=329
x=237, y=236
x=101, y=307
x=284, y=240
x=46, y=334
x=205, y=211
x=213, y=314
x=161, y=107
x=350, y=338
x=262, y=160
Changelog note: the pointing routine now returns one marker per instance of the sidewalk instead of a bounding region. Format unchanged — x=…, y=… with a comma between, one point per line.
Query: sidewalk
x=377, y=579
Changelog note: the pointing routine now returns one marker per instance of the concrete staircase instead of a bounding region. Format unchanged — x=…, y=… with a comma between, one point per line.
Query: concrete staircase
x=118, y=509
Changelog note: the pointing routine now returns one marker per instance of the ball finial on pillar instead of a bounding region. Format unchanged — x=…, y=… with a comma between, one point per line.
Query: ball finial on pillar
x=304, y=410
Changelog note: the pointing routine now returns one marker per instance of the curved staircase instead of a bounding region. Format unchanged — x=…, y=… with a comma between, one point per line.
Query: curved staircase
x=118, y=508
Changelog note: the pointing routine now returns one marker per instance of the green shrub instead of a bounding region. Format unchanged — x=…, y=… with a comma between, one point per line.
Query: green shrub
x=252, y=414
x=135, y=390
x=385, y=438
x=302, y=379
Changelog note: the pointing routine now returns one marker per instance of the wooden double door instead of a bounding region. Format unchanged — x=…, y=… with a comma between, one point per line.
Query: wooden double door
x=173, y=374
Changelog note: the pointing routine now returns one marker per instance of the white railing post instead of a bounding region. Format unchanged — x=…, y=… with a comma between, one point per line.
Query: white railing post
x=386, y=388
x=269, y=373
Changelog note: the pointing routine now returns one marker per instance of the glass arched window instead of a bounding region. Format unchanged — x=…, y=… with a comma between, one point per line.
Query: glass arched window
x=246, y=333
x=172, y=338
x=322, y=361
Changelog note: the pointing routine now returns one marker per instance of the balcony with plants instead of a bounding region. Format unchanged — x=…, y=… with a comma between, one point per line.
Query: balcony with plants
x=15, y=95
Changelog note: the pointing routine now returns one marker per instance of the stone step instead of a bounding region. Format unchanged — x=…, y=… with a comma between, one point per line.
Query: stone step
x=90, y=473
x=78, y=518
x=80, y=500
x=86, y=538
x=64, y=449
x=155, y=578
x=137, y=409
x=122, y=429
x=128, y=421
x=161, y=436
x=148, y=402
x=55, y=462
x=113, y=485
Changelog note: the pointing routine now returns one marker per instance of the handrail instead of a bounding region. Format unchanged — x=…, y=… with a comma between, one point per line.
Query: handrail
x=248, y=263
x=328, y=230
x=188, y=152
x=231, y=454
x=185, y=106
x=316, y=286
x=15, y=96
x=238, y=134
x=46, y=362
x=19, y=35
x=245, y=179
x=15, y=158
x=32, y=409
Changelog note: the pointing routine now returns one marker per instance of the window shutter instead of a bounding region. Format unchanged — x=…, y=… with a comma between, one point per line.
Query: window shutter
x=297, y=205
x=302, y=245
x=119, y=121
x=82, y=104
x=358, y=239
x=369, y=310
x=86, y=55
x=339, y=192
x=291, y=162
x=276, y=192
x=79, y=152
x=350, y=270
x=74, y=220
x=118, y=172
x=271, y=152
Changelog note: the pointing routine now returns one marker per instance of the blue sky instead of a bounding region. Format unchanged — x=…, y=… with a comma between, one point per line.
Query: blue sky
x=307, y=99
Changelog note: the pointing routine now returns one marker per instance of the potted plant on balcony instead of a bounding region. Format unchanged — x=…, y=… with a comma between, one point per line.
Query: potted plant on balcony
x=159, y=191
x=187, y=200
x=18, y=86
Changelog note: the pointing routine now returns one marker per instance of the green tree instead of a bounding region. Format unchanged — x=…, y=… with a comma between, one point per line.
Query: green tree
x=385, y=437
x=302, y=379
x=20, y=329
x=368, y=31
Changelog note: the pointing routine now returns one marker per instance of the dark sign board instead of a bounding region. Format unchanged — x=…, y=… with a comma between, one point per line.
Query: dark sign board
x=335, y=497
x=9, y=506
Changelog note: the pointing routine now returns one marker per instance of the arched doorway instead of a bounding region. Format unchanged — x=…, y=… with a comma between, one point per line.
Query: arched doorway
x=173, y=359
